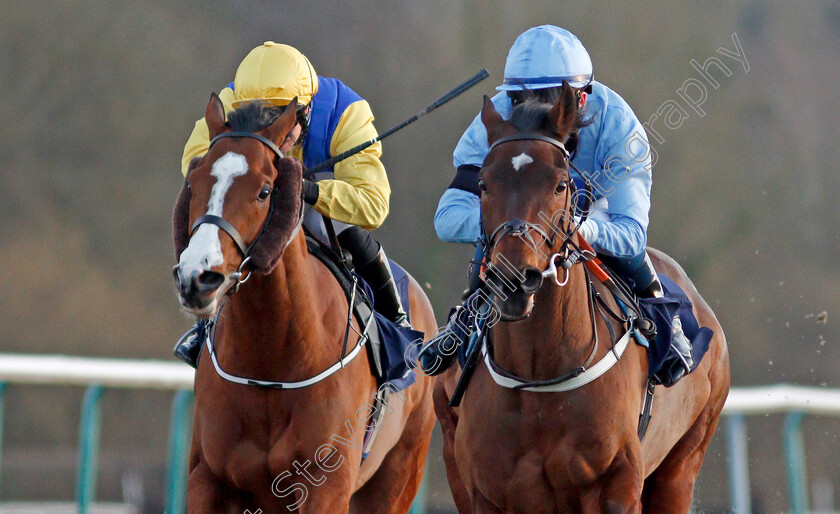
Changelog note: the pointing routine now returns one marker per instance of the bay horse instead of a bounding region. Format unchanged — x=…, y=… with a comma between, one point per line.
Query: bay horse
x=529, y=451
x=298, y=444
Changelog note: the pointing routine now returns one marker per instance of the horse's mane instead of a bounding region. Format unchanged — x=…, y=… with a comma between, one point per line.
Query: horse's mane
x=254, y=116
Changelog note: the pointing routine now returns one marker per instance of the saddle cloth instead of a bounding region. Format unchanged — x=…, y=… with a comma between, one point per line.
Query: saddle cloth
x=389, y=342
x=662, y=311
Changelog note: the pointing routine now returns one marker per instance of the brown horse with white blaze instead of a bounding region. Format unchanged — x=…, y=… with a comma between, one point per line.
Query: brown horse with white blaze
x=295, y=447
x=573, y=449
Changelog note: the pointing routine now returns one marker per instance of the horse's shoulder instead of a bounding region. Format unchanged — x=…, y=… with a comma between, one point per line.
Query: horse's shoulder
x=325, y=282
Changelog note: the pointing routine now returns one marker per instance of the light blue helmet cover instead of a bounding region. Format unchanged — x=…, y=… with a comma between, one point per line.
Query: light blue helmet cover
x=545, y=56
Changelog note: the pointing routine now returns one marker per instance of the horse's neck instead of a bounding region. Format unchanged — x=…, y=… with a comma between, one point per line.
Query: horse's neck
x=270, y=324
x=556, y=338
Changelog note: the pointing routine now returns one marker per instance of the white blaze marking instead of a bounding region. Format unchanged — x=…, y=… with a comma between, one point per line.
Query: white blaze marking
x=205, y=248
x=521, y=160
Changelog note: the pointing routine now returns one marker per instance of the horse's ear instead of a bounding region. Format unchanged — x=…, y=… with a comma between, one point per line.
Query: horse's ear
x=181, y=219
x=563, y=115
x=492, y=120
x=283, y=124
x=214, y=115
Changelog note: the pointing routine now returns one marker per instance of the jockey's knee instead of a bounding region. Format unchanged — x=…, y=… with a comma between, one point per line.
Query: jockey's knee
x=360, y=243
x=637, y=270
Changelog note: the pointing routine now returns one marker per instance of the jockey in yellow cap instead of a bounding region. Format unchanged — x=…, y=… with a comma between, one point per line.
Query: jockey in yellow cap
x=332, y=118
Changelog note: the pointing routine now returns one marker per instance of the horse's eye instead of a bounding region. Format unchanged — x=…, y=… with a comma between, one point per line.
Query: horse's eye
x=264, y=192
x=561, y=188
x=482, y=186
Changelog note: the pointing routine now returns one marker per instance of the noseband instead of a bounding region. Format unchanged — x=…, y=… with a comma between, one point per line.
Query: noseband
x=230, y=229
x=565, y=257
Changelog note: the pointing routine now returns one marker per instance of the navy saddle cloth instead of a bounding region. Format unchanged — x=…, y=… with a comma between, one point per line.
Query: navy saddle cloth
x=396, y=339
x=662, y=312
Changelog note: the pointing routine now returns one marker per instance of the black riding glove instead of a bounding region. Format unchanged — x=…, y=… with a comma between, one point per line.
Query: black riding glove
x=310, y=191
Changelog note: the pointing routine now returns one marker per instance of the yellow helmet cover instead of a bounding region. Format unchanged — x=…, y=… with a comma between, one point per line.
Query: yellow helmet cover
x=276, y=73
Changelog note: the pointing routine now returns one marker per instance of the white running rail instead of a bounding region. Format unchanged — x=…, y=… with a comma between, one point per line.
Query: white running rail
x=796, y=401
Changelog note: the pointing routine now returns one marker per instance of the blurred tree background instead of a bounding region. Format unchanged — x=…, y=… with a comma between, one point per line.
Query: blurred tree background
x=99, y=97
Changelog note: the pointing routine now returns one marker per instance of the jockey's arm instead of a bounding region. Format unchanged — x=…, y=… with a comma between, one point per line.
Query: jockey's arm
x=359, y=194
x=625, y=181
x=458, y=216
x=621, y=237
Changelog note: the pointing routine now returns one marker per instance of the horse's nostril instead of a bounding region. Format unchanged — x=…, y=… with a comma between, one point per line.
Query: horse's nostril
x=209, y=281
x=182, y=282
x=533, y=280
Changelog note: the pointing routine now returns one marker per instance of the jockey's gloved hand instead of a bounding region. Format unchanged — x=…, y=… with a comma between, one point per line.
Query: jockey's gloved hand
x=310, y=191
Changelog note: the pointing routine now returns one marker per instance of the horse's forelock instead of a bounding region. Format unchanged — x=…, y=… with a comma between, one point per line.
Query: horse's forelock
x=253, y=116
x=532, y=116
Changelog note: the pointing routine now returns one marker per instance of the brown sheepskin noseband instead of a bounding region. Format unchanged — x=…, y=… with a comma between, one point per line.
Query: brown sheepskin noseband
x=284, y=216
x=181, y=213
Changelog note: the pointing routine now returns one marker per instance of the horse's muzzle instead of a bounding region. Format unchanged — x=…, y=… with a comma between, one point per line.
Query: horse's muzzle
x=199, y=290
x=514, y=295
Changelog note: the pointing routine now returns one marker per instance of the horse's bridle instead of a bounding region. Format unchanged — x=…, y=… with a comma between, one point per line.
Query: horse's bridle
x=569, y=253
x=207, y=332
x=230, y=229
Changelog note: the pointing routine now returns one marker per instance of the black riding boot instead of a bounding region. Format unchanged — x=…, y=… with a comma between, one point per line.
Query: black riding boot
x=371, y=264
x=440, y=353
x=646, y=274
x=188, y=347
x=377, y=273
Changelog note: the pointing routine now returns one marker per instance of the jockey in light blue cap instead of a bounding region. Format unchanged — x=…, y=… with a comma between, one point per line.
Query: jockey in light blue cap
x=611, y=151
x=544, y=57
